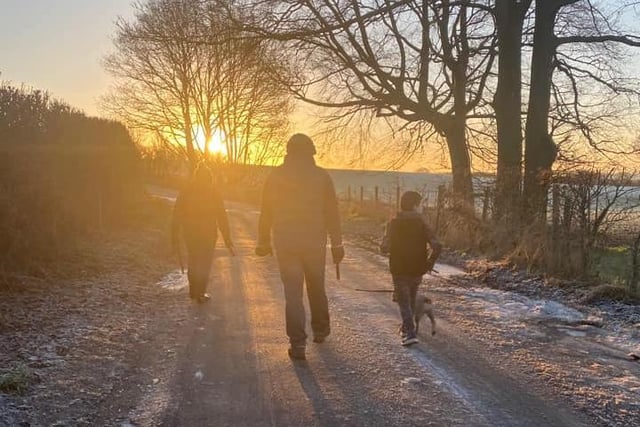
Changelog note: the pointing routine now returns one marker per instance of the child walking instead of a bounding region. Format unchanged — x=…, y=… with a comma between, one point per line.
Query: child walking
x=406, y=241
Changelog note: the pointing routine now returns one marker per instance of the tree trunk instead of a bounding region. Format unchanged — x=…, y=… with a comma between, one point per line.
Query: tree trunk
x=456, y=129
x=540, y=151
x=507, y=104
x=188, y=141
x=460, y=161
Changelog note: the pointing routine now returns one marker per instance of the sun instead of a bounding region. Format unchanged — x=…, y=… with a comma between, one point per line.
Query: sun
x=216, y=145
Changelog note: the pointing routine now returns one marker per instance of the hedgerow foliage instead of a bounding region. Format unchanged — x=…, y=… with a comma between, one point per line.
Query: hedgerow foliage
x=62, y=175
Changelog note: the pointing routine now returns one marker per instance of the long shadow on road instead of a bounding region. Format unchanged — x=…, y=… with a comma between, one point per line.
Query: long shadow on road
x=231, y=367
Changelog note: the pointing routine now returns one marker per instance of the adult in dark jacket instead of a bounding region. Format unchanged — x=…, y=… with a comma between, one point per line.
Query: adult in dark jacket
x=406, y=240
x=300, y=207
x=198, y=214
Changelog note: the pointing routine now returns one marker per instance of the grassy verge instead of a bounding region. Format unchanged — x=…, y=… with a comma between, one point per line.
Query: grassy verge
x=14, y=379
x=612, y=264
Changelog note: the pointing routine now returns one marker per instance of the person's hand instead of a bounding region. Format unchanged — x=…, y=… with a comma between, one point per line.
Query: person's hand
x=230, y=247
x=436, y=249
x=337, y=253
x=264, y=250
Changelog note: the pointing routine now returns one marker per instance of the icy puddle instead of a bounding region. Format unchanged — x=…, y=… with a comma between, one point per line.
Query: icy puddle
x=515, y=312
x=174, y=281
x=445, y=270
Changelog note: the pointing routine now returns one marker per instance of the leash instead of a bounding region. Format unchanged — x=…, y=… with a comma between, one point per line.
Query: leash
x=434, y=273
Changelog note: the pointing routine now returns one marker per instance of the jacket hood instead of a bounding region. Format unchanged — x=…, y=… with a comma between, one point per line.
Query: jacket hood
x=408, y=214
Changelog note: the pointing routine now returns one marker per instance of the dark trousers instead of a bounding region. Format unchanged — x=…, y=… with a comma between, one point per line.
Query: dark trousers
x=200, y=256
x=406, y=288
x=298, y=266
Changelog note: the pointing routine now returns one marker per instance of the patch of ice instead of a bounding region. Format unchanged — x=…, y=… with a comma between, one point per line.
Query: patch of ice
x=554, y=310
x=174, y=281
x=574, y=333
x=504, y=305
x=410, y=380
x=446, y=270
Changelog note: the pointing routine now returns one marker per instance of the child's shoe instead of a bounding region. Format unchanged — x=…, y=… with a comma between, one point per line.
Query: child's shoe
x=409, y=340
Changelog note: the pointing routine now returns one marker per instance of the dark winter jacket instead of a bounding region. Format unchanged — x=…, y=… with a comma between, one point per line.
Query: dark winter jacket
x=299, y=204
x=406, y=241
x=198, y=213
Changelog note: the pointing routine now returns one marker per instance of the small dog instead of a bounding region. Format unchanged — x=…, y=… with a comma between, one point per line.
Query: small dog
x=423, y=306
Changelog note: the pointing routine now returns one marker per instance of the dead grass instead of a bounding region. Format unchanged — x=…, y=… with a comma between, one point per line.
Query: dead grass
x=90, y=255
x=610, y=292
x=15, y=379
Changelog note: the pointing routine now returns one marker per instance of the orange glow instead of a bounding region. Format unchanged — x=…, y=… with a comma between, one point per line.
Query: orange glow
x=216, y=144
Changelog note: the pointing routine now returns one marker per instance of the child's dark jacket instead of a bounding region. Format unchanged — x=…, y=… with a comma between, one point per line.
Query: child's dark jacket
x=406, y=239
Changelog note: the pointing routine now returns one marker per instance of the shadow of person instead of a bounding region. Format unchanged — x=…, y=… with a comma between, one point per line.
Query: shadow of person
x=324, y=408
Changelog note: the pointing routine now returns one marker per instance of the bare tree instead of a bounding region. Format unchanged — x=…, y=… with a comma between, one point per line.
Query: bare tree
x=183, y=76
x=595, y=204
x=423, y=62
x=560, y=24
x=510, y=21
x=153, y=88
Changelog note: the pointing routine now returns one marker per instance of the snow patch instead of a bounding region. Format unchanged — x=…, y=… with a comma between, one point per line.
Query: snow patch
x=446, y=270
x=574, y=333
x=507, y=306
x=174, y=281
x=410, y=380
x=512, y=311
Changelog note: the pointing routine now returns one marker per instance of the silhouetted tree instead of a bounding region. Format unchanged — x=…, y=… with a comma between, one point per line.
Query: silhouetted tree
x=558, y=24
x=423, y=62
x=180, y=71
x=61, y=174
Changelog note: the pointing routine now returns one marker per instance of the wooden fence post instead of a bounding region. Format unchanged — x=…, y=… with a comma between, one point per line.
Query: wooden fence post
x=376, y=194
x=439, y=206
x=100, y=210
x=555, y=210
x=361, y=194
x=485, y=204
x=349, y=193
x=634, y=277
x=568, y=213
x=397, y=197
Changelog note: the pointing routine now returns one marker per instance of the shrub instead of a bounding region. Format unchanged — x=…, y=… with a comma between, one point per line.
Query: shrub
x=62, y=175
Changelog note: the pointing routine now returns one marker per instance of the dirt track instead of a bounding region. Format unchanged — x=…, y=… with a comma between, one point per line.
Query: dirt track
x=225, y=363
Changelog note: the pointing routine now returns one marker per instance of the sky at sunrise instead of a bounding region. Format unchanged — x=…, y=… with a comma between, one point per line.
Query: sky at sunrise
x=58, y=46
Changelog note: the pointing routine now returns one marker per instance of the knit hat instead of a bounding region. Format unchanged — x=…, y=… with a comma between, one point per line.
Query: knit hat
x=300, y=144
x=409, y=200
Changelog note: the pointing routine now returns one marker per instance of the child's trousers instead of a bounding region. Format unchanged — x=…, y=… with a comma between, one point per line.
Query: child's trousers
x=406, y=288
